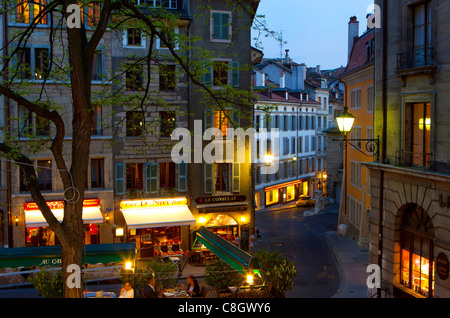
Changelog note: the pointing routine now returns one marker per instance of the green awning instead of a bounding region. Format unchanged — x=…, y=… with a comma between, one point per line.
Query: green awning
x=226, y=251
x=51, y=255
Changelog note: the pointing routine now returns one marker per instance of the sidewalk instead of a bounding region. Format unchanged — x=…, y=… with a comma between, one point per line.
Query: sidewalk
x=352, y=261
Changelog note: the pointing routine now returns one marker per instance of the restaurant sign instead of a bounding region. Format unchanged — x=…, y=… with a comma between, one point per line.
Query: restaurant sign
x=152, y=203
x=59, y=205
x=221, y=199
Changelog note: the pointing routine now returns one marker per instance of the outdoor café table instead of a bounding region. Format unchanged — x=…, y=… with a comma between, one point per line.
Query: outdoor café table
x=100, y=294
x=176, y=294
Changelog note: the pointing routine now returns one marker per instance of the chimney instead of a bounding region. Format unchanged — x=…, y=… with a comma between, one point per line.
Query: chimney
x=287, y=60
x=318, y=69
x=282, y=80
x=353, y=32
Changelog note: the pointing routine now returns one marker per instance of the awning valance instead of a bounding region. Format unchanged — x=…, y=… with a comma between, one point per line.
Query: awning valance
x=34, y=218
x=163, y=216
x=51, y=255
x=226, y=251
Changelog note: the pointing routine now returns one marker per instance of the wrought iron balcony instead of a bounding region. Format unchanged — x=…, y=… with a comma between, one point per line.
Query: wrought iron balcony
x=415, y=58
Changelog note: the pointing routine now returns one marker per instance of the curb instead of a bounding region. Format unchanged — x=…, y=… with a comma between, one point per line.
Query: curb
x=341, y=274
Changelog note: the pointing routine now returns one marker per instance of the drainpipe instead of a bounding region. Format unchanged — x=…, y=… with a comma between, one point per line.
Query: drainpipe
x=383, y=143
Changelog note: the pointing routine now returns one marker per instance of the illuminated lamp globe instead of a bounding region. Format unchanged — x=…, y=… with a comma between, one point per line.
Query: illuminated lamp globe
x=345, y=121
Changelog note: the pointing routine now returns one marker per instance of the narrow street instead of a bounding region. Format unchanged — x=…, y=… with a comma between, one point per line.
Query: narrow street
x=302, y=240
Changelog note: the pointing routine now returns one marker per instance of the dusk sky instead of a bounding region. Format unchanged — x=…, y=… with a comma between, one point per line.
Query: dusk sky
x=316, y=31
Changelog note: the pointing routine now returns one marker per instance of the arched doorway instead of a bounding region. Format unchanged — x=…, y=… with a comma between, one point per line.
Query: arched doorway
x=223, y=225
x=416, y=259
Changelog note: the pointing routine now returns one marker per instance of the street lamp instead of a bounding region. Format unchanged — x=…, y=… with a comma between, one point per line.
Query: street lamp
x=268, y=159
x=345, y=123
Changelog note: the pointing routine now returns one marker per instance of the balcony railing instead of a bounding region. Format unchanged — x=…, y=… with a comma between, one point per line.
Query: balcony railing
x=422, y=161
x=415, y=58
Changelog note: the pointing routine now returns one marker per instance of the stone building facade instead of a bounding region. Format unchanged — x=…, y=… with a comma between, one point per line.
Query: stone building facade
x=410, y=184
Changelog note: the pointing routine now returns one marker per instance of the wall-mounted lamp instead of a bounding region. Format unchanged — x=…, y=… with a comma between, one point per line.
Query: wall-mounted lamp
x=243, y=219
x=345, y=123
x=107, y=218
x=16, y=219
x=268, y=159
x=119, y=231
x=201, y=220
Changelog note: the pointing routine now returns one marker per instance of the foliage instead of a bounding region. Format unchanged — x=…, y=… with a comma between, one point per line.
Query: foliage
x=220, y=275
x=49, y=283
x=277, y=270
x=165, y=275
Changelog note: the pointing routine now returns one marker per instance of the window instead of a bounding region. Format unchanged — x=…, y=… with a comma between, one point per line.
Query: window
x=221, y=121
x=167, y=124
x=222, y=177
x=257, y=122
x=170, y=35
x=41, y=63
x=134, y=123
x=26, y=11
x=134, y=176
x=24, y=63
x=417, y=134
x=133, y=38
x=32, y=63
x=370, y=99
x=23, y=184
x=220, y=73
x=285, y=146
x=417, y=268
x=167, y=175
x=31, y=124
x=300, y=144
x=306, y=143
x=354, y=211
x=94, y=10
x=422, y=34
x=97, y=66
x=134, y=78
x=356, y=133
x=97, y=173
x=221, y=26
x=166, y=4
x=355, y=99
x=96, y=129
x=355, y=174
x=293, y=143
x=167, y=80
x=44, y=170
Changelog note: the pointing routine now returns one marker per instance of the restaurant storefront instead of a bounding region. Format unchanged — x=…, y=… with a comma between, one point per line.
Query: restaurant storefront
x=228, y=216
x=285, y=193
x=157, y=226
x=38, y=233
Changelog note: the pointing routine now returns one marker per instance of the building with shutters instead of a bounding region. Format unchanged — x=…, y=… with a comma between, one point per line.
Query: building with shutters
x=296, y=151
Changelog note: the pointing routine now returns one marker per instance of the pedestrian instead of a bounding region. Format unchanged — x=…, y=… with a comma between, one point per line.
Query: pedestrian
x=150, y=290
x=127, y=291
x=194, y=287
x=238, y=241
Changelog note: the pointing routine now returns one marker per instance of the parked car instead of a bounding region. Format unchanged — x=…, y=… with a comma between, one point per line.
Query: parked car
x=306, y=201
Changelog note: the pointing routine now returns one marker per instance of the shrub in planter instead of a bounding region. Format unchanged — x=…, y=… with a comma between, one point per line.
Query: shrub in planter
x=49, y=283
x=277, y=270
x=165, y=275
x=220, y=276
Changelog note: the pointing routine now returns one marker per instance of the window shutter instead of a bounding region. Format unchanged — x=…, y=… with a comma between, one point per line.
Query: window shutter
x=151, y=177
x=225, y=25
x=217, y=26
x=236, y=180
x=208, y=177
x=120, y=179
x=182, y=177
x=235, y=73
x=208, y=119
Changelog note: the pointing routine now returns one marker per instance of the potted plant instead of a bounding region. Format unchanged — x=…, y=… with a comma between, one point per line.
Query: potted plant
x=220, y=276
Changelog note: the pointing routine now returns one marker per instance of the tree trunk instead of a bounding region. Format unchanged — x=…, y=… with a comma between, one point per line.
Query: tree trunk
x=71, y=254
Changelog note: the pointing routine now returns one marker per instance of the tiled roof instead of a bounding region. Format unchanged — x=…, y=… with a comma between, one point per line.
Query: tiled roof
x=277, y=98
x=358, y=57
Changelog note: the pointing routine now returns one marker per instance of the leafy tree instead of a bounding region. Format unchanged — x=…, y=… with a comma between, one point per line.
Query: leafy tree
x=69, y=64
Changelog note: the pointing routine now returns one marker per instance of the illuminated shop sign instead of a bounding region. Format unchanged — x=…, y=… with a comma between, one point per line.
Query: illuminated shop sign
x=221, y=199
x=137, y=204
x=59, y=205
